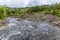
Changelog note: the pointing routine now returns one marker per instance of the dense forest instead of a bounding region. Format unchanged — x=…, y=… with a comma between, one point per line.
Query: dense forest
x=7, y=11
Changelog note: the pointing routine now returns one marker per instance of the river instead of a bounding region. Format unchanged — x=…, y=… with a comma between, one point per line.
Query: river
x=29, y=30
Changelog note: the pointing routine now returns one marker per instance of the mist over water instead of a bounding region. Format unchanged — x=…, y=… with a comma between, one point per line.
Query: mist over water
x=29, y=30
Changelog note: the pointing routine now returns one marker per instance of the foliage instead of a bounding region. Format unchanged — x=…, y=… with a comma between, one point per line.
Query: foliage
x=2, y=12
x=7, y=11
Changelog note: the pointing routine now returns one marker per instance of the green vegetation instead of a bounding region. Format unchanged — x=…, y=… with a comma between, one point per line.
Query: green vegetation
x=2, y=12
x=7, y=11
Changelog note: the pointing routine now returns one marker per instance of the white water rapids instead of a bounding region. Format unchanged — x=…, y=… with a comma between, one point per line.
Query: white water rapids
x=29, y=30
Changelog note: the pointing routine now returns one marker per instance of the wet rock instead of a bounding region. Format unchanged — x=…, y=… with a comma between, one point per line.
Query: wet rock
x=29, y=30
x=34, y=27
x=57, y=23
x=2, y=22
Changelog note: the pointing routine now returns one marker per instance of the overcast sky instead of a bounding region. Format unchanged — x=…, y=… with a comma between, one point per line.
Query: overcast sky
x=24, y=3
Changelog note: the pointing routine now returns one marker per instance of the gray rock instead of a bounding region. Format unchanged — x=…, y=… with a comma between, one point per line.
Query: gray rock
x=29, y=30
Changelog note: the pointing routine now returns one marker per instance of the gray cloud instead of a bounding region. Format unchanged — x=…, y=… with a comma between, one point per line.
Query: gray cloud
x=24, y=3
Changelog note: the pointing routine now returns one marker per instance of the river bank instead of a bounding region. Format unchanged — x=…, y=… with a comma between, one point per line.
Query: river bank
x=53, y=20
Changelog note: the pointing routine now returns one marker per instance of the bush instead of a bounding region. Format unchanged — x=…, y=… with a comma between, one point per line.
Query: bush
x=2, y=12
x=34, y=9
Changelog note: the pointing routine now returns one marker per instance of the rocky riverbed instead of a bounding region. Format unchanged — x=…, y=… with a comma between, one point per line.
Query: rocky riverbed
x=39, y=26
x=53, y=20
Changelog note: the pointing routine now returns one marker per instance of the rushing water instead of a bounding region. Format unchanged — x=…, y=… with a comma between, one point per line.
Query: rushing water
x=29, y=30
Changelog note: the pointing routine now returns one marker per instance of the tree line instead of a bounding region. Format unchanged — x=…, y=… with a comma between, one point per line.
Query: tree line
x=7, y=11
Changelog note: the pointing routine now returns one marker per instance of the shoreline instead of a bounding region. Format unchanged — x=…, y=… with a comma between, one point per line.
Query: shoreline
x=53, y=20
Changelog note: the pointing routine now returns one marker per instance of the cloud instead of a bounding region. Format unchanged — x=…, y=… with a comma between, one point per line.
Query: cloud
x=24, y=3
x=14, y=3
